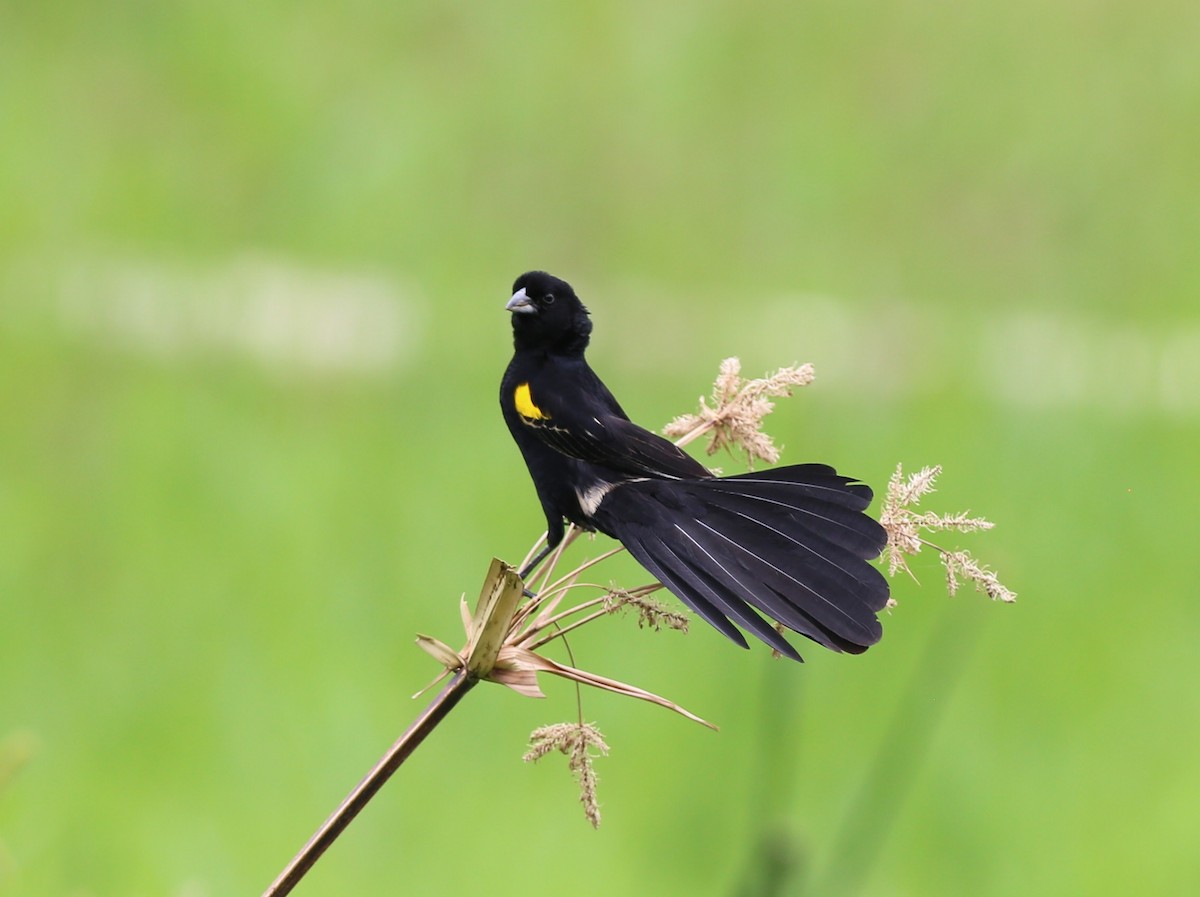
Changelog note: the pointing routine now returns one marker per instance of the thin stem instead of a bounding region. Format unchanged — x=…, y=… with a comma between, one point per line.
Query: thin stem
x=578, y=688
x=569, y=612
x=639, y=592
x=935, y=547
x=329, y=831
x=695, y=432
x=560, y=631
x=538, y=597
x=590, y=563
x=547, y=569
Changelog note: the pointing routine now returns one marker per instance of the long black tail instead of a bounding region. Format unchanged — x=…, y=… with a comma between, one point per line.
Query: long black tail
x=791, y=542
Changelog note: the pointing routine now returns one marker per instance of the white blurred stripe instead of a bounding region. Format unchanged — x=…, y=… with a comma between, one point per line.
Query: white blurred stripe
x=281, y=313
x=1031, y=358
x=1179, y=373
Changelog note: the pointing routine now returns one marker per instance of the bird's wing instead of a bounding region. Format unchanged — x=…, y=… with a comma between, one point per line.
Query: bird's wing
x=592, y=427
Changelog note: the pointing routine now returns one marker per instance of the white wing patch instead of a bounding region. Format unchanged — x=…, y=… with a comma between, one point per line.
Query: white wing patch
x=590, y=498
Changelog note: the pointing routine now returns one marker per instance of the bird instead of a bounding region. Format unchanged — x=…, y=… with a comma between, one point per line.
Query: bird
x=788, y=545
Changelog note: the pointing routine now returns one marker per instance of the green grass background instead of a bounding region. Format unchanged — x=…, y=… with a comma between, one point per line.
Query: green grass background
x=212, y=566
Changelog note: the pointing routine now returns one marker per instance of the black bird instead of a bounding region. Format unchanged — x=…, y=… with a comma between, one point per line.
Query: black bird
x=792, y=542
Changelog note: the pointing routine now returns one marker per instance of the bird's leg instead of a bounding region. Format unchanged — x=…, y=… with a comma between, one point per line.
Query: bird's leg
x=554, y=535
x=533, y=565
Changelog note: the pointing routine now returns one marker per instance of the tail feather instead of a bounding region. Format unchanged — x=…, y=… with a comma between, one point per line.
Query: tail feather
x=816, y=480
x=832, y=535
x=687, y=572
x=791, y=543
x=836, y=522
x=799, y=588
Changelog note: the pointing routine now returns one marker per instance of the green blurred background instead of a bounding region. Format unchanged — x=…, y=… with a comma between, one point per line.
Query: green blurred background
x=253, y=262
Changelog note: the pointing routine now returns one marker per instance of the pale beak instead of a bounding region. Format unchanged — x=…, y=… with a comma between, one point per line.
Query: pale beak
x=520, y=303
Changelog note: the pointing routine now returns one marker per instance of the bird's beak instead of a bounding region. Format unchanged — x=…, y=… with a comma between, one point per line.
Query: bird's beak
x=520, y=303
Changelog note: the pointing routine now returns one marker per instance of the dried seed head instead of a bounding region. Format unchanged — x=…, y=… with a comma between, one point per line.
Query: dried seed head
x=904, y=537
x=575, y=740
x=651, y=613
x=961, y=563
x=734, y=419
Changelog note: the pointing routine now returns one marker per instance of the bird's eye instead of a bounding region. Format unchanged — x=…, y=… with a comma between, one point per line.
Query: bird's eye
x=549, y=299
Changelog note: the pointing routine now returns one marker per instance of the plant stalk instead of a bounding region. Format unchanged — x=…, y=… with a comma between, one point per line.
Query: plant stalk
x=460, y=683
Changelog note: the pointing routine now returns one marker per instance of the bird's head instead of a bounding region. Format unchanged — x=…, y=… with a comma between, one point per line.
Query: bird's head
x=546, y=314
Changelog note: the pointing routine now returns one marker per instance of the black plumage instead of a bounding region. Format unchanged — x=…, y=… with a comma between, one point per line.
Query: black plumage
x=791, y=543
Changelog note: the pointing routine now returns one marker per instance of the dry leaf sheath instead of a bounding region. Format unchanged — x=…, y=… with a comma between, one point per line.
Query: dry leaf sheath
x=542, y=619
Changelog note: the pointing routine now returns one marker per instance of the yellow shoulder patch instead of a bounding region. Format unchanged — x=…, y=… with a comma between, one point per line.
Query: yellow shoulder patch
x=525, y=406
